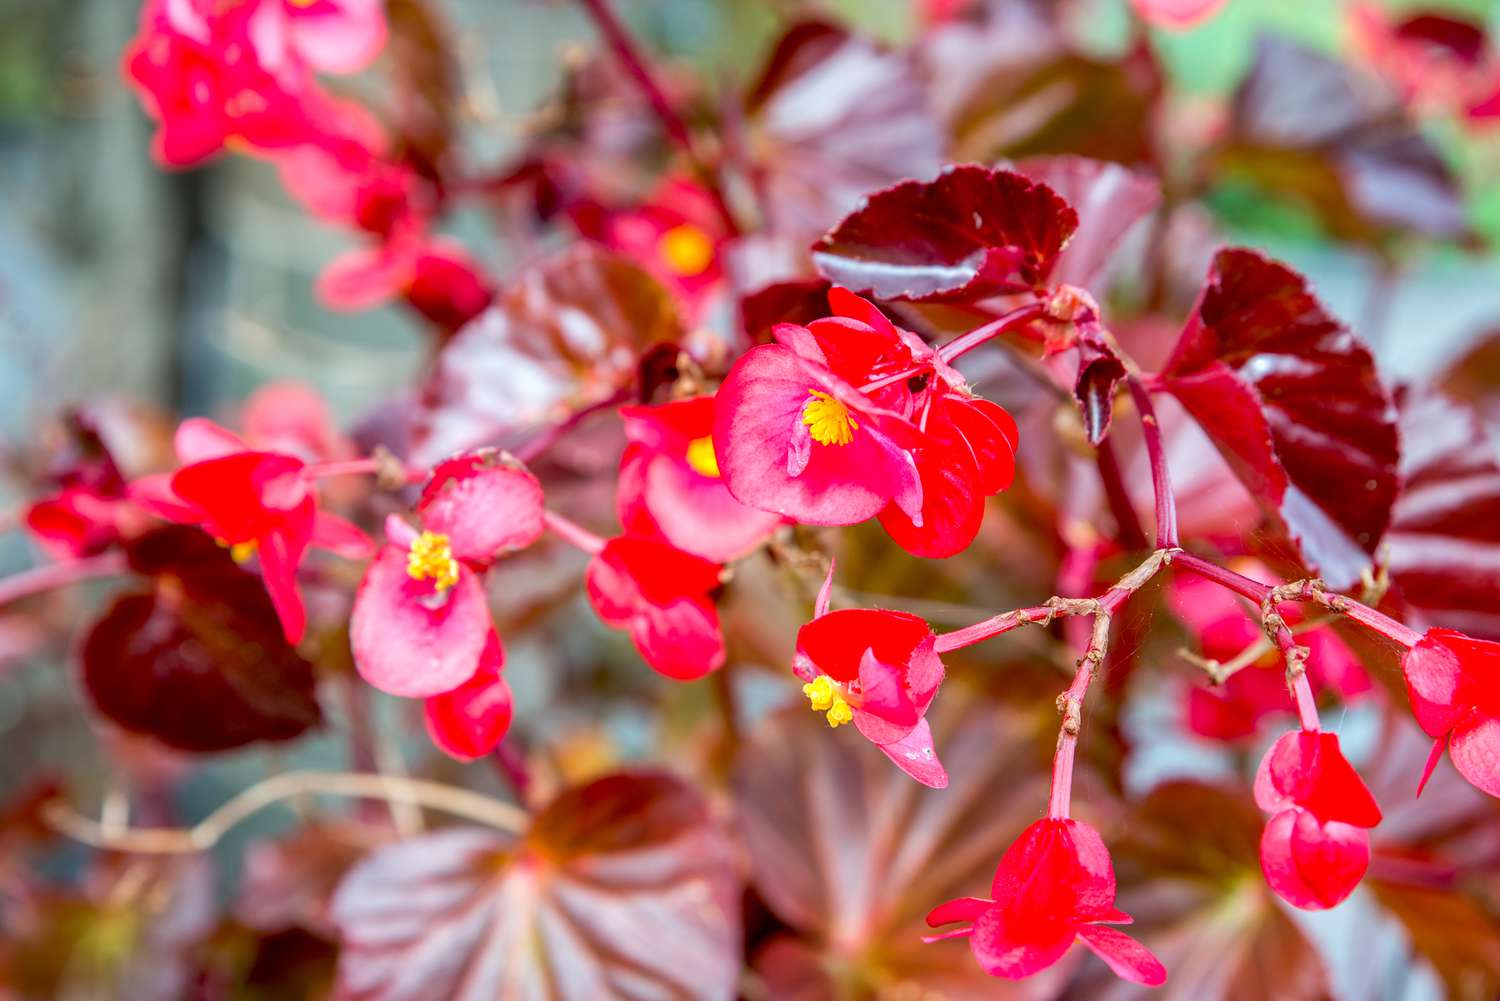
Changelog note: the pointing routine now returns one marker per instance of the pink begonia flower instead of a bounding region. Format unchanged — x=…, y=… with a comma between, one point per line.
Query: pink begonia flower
x=421, y=620
x=1177, y=13
x=1054, y=886
x=1315, y=848
x=670, y=485
x=327, y=36
x=435, y=276
x=879, y=670
x=258, y=503
x=663, y=597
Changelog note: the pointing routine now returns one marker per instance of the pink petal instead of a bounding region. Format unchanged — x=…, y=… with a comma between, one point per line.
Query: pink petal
x=408, y=640
x=485, y=505
x=365, y=278
x=882, y=693
x=1124, y=955
x=1434, y=681
x=965, y=909
x=1309, y=865
x=470, y=721
x=333, y=533
x=1309, y=770
x=343, y=42
x=1475, y=751
x=1439, y=745
x=199, y=439
x=660, y=595
x=154, y=494
x=698, y=514
x=915, y=755
x=1017, y=949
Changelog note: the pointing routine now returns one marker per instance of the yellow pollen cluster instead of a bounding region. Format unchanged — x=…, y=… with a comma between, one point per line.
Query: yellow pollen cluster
x=431, y=558
x=701, y=457
x=826, y=698
x=687, y=250
x=240, y=552
x=827, y=419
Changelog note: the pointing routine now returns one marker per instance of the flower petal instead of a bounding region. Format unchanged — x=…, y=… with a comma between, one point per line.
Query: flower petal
x=1128, y=958
x=916, y=755
x=1475, y=751
x=1007, y=947
x=484, y=504
x=471, y=720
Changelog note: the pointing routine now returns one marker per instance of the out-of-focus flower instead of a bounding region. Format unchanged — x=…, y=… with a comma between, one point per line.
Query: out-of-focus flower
x=1454, y=684
x=662, y=596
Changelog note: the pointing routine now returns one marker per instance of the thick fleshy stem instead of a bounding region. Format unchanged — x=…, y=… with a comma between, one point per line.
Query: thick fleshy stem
x=630, y=58
x=1300, y=591
x=573, y=533
x=1166, y=501
x=52, y=576
x=965, y=343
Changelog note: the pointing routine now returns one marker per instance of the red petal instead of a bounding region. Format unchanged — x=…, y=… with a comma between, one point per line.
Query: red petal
x=1012, y=948
x=1435, y=681
x=409, y=640
x=991, y=434
x=1128, y=958
x=836, y=642
x=1057, y=870
x=470, y=721
x=960, y=909
x=280, y=553
x=1309, y=770
x=660, y=594
x=485, y=506
x=1310, y=865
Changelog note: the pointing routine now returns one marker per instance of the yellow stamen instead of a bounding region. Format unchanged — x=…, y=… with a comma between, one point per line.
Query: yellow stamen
x=240, y=552
x=431, y=558
x=701, y=456
x=828, y=419
x=687, y=250
x=825, y=697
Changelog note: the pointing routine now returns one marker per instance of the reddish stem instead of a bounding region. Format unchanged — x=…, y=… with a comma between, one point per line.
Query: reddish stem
x=993, y=626
x=871, y=387
x=573, y=533
x=52, y=576
x=1061, y=802
x=1166, y=501
x=1127, y=521
x=635, y=64
x=546, y=439
x=1307, y=706
x=965, y=343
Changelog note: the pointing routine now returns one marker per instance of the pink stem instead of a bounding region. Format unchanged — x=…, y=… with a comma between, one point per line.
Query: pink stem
x=1307, y=706
x=573, y=533
x=993, y=626
x=1166, y=502
x=52, y=576
x=1222, y=576
x=870, y=387
x=965, y=343
x=1061, y=801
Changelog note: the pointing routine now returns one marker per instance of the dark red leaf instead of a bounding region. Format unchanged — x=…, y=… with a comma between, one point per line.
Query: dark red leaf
x=199, y=662
x=1307, y=125
x=833, y=116
x=799, y=302
x=568, y=333
x=623, y=888
x=1294, y=402
x=1444, y=542
x=971, y=233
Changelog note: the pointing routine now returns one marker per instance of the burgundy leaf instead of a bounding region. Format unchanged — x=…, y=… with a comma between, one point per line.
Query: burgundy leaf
x=199, y=662
x=834, y=115
x=1444, y=542
x=623, y=888
x=971, y=233
x=568, y=333
x=1293, y=400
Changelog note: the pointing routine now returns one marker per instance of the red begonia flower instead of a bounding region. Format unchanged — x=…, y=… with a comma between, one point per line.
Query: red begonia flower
x=1225, y=627
x=435, y=276
x=469, y=722
x=879, y=670
x=421, y=620
x=794, y=435
x=1454, y=684
x=257, y=503
x=1315, y=849
x=670, y=486
x=1054, y=886
x=1437, y=61
x=76, y=522
x=662, y=597
x=677, y=234
x=202, y=82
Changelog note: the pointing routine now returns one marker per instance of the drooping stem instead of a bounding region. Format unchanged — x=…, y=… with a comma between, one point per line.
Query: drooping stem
x=995, y=625
x=1070, y=703
x=1166, y=501
x=1307, y=706
x=965, y=343
x=573, y=533
x=52, y=576
x=207, y=832
x=634, y=63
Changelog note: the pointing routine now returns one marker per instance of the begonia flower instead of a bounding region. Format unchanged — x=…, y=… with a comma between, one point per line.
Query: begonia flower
x=206, y=89
x=1054, y=886
x=1453, y=681
x=1177, y=14
x=259, y=504
x=662, y=596
x=879, y=670
x=435, y=276
x=1315, y=848
x=327, y=36
x=1435, y=60
x=670, y=485
x=421, y=621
